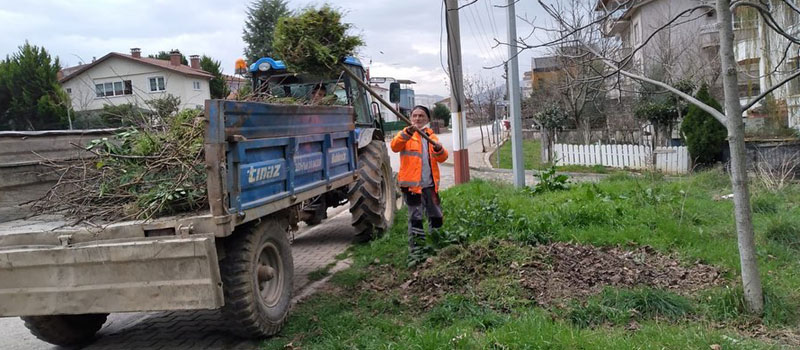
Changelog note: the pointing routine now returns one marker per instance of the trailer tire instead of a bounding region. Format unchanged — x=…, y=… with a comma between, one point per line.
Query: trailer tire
x=65, y=330
x=257, y=275
x=372, y=203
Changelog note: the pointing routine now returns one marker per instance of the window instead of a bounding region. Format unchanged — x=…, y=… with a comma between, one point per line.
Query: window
x=196, y=85
x=157, y=84
x=116, y=88
x=69, y=90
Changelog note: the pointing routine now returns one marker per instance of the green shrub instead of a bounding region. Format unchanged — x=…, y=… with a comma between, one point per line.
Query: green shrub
x=705, y=136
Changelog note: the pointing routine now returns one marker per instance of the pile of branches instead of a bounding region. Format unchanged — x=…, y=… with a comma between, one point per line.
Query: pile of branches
x=314, y=41
x=140, y=173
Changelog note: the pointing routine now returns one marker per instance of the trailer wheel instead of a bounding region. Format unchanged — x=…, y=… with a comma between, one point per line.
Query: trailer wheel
x=372, y=197
x=257, y=274
x=65, y=330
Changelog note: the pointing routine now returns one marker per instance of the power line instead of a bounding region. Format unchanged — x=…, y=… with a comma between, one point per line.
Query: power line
x=482, y=36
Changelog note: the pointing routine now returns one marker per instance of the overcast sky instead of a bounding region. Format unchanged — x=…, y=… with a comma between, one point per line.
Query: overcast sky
x=403, y=38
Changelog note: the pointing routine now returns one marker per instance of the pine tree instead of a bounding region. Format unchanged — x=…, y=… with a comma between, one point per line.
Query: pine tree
x=705, y=136
x=218, y=86
x=30, y=96
x=441, y=112
x=262, y=17
x=165, y=55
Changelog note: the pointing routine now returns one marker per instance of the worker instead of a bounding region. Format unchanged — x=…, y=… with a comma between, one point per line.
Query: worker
x=419, y=176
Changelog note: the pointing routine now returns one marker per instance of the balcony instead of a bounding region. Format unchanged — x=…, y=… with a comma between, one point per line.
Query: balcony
x=612, y=27
x=709, y=36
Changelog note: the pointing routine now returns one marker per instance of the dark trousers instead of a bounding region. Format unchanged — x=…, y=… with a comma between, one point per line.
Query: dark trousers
x=420, y=205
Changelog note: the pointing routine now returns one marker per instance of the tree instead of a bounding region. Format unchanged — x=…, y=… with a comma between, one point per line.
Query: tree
x=30, y=95
x=441, y=112
x=551, y=119
x=482, y=97
x=662, y=109
x=705, y=136
x=314, y=41
x=579, y=85
x=262, y=17
x=166, y=56
x=219, y=88
x=732, y=116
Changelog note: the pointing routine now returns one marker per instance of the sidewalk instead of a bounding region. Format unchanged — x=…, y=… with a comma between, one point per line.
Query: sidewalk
x=477, y=159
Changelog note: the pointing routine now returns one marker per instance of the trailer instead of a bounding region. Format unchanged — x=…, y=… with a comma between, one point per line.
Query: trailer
x=267, y=165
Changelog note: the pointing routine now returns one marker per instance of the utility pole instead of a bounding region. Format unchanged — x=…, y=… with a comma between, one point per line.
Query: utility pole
x=461, y=157
x=514, y=95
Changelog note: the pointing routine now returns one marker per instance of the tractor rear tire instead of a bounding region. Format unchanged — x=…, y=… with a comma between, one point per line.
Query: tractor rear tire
x=372, y=197
x=257, y=275
x=65, y=330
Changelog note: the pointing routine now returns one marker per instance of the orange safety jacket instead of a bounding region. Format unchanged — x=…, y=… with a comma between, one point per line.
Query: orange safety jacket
x=410, y=148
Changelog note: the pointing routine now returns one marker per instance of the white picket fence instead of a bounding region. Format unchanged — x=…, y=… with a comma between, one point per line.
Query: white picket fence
x=674, y=160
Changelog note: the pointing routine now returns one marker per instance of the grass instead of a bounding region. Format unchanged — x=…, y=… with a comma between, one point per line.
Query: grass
x=367, y=308
x=532, y=149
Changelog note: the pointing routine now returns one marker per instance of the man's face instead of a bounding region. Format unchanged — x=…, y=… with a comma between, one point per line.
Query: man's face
x=419, y=118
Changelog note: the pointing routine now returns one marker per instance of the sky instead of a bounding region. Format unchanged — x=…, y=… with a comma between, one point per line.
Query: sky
x=404, y=39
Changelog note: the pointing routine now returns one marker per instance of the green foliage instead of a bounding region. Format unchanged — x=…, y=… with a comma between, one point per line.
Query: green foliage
x=217, y=85
x=166, y=56
x=441, y=112
x=164, y=107
x=314, y=41
x=259, y=28
x=483, y=308
x=30, y=95
x=727, y=304
x=552, y=117
x=617, y=306
x=139, y=173
x=705, y=136
x=784, y=230
x=549, y=181
x=125, y=115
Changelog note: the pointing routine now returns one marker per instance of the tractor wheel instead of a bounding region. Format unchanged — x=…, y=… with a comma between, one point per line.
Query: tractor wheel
x=65, y=330
x=372, y=197
x=257, y=274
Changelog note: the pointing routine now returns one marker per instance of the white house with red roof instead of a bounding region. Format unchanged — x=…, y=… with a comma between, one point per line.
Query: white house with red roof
x=116, y=79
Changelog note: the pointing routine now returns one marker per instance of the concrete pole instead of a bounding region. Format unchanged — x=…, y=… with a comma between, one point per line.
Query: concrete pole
x=514, y=96
x=459, y=120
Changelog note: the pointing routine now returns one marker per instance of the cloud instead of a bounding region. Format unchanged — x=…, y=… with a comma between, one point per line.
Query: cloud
x=404, y=38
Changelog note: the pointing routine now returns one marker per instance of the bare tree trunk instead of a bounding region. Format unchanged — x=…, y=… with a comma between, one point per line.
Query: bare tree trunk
x=751, y=279
x=546, y=155
x=480, y=127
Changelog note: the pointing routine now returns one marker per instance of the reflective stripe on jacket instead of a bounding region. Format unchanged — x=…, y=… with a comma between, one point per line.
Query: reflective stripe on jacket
x=410, y=149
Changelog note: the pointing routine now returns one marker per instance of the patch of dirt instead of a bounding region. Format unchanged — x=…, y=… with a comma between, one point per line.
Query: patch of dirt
x=549, y=273
x=572, y=270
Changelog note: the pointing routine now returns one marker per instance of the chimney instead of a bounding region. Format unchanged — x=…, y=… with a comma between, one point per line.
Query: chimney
x=136, y=52
x=195, y=61
x=175, y=58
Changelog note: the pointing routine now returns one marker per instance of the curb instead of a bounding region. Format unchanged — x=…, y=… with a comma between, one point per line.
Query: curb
x=312, y=287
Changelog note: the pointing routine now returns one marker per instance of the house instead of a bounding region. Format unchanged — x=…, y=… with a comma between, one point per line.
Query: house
x=235, y=83
x=691, y=49
x=116, y=79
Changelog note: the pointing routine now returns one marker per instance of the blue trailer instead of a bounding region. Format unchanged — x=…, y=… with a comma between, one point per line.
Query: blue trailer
x=269, y=166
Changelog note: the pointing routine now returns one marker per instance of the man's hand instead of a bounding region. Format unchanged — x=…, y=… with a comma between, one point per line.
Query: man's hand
x=437, y=147
x=410, y=130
